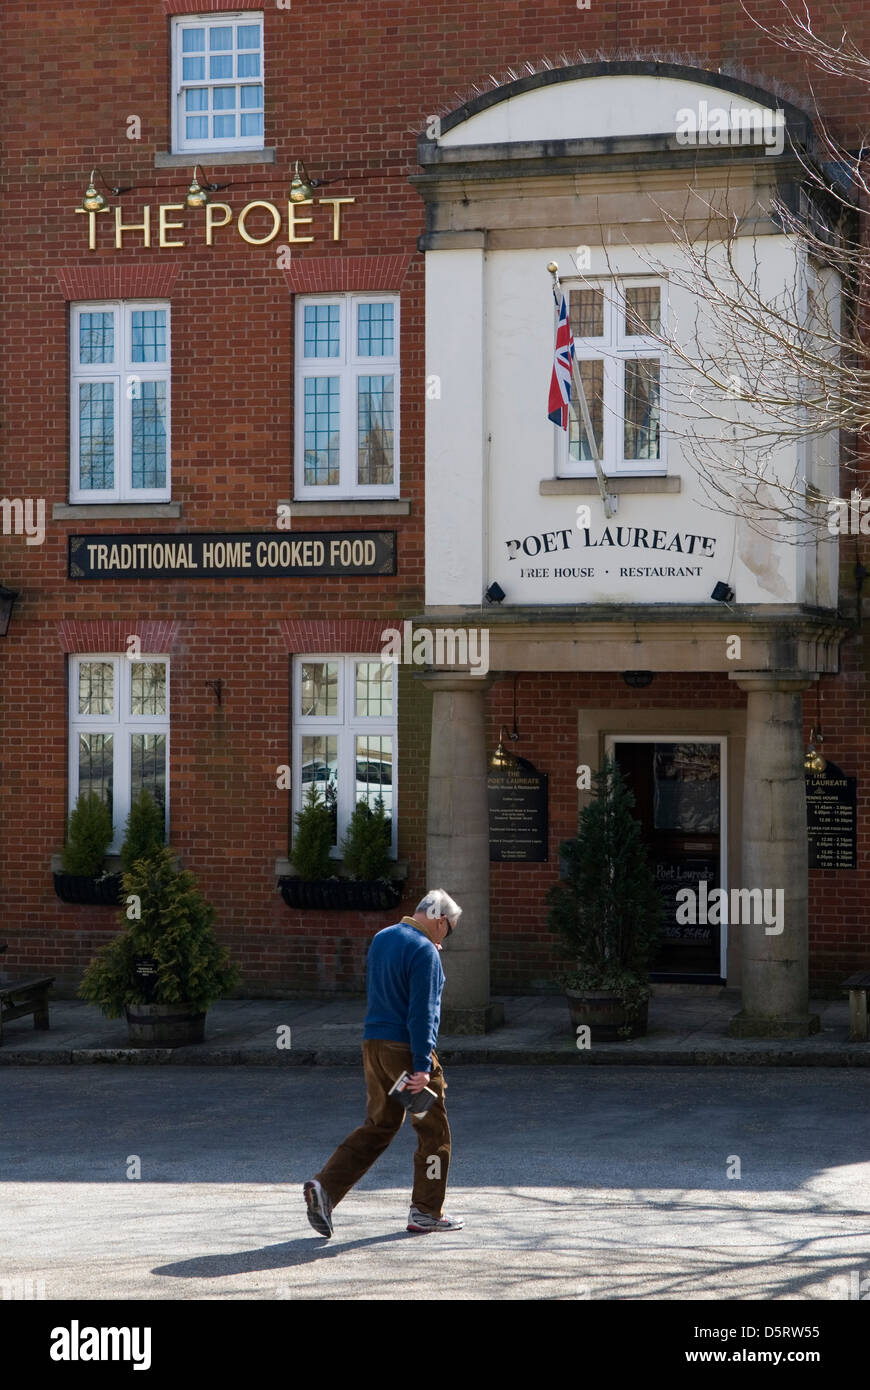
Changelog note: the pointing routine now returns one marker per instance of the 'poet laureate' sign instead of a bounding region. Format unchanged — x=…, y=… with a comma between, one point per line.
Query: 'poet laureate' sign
x=517, y=813
x=831, y=819
x=238, y=555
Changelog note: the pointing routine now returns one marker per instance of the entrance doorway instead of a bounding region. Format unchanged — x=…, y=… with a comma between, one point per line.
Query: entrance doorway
x=679, y=786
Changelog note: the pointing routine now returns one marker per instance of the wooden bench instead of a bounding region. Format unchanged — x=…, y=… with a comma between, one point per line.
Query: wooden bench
x=20, y=997
x=858, y=985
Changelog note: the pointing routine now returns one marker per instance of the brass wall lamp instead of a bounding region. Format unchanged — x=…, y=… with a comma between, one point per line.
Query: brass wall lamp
x=501, y=757
x=197, y=193
x=301, y=186
x=94, y=200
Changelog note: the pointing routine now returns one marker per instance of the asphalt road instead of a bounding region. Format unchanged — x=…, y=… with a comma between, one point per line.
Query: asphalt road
x=601, y=1183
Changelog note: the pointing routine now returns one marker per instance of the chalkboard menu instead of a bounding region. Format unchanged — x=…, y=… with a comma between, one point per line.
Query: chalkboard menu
x=517, y=813
x=831, y=819
x=674, y=872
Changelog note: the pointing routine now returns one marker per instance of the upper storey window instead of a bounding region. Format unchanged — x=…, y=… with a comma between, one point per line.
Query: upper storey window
x=217, y=82
x=614, y=324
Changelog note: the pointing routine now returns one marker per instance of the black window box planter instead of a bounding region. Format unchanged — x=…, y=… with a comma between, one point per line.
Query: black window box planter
x=74, y=888
x=340, y=894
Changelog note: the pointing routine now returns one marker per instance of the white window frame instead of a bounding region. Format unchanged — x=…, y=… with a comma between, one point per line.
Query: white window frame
x=124, y=374
x=614, y=348
x=346, y=727
x=181, y=145
x=120, y=725
x=348, y=366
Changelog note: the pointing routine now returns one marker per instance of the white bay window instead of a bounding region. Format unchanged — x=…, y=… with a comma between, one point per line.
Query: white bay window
x=347, y=396
x=344, y=736
x=119, y=409
x=119, y=732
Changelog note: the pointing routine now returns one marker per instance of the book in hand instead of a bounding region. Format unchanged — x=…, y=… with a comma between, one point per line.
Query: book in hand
x=417, y=1103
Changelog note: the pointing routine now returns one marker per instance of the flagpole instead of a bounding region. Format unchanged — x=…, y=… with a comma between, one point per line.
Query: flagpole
x=584, y=407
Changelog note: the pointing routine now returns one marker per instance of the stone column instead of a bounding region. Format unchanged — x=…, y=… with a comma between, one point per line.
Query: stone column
x=774, y=964
x=458, y=844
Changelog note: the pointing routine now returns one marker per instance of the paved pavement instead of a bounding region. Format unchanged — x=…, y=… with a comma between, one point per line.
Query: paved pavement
x=575, y=1183
x=685, y=1029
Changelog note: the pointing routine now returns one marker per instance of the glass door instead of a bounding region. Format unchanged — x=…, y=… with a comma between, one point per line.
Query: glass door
x=679, y=791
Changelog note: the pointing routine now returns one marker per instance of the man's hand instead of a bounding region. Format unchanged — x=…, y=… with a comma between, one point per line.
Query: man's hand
x=416, y=1081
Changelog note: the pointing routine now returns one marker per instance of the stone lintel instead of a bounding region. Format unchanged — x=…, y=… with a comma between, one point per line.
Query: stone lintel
x=773, y=680
x=462, y=680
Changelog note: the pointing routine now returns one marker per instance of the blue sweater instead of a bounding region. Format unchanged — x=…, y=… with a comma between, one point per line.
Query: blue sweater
x=404, y=981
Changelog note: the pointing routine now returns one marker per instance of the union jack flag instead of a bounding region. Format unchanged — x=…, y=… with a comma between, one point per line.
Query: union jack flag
x=560, y=381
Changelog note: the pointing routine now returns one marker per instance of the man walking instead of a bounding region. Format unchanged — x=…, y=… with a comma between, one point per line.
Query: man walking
x=404, y=981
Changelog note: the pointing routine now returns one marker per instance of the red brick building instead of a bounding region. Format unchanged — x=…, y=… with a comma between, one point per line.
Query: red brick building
x=256, y=372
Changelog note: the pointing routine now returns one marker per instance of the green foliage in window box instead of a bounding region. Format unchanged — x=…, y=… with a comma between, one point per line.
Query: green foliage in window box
x=608, y=909
x=145, y=832
x=175, y=928
x=365, y=850
x=88, y=837
x=313, y=839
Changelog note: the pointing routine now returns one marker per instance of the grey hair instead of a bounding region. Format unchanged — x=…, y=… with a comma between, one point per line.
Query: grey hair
x=437, y=903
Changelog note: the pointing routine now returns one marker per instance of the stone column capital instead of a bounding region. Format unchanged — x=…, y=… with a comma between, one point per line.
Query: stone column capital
x=772, y=681
x=464, y=681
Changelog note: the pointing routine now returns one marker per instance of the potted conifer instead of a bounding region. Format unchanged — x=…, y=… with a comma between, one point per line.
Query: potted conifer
x=166, y=921
x=365, y=883
x=84, y=877
x=607, y=911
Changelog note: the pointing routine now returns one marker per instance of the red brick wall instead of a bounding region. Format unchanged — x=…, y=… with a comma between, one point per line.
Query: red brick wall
x=347, y=85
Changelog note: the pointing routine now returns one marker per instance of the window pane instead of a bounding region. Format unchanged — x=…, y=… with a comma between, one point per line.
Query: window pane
x=375, y=330
x=252, y=98
x=224, y=99
x=586, y=313
x=375, y=429
x=248, y=65
x=196, y=99
x=252, y=125
x=96, y=434
x=148, y=687
x=96, y=687
x=193, y=41
x=224, y=126
x=374, y=688
x=641, y=409
x=192, y=69
x=149, y=335
x=643, y=310
x=96, y=337
x=95, y=766
x=592, y=377
x=320, y=689
x=320, y=769
x=197, y=127
x=149, y=434
x=220, y=67
x=220, y=37
x=374, y=770
x=148, y=766
x=322, y=338
x=248, y=36
x=321, y=429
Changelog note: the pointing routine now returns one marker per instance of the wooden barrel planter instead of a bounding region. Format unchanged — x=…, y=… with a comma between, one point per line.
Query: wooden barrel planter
x=75, y=888
x=164, y=1025
x=342, y=894
x=605, y=1014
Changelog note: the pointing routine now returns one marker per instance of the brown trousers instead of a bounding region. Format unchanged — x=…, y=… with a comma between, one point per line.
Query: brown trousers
x=383, y=1062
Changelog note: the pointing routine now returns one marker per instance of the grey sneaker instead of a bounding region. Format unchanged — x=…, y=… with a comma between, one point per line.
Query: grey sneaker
x=319, y=1208
x=421, y=1222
